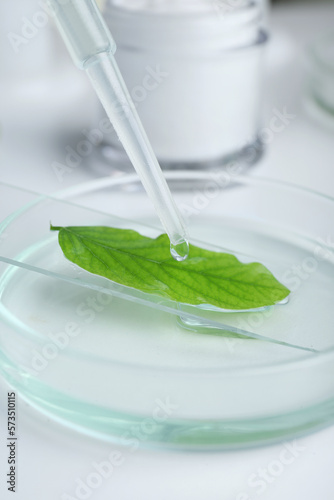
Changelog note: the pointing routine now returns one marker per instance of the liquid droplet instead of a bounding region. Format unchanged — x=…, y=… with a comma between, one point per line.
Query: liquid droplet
x=284, y=301
x=180, y=250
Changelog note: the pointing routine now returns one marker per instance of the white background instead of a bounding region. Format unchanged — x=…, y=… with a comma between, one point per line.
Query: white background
x=51, y=457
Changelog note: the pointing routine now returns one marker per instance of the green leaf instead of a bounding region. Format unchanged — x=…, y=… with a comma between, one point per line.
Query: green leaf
x=126, y=257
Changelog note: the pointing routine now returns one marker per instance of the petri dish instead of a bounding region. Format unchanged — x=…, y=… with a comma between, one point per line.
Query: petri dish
x=140, y=370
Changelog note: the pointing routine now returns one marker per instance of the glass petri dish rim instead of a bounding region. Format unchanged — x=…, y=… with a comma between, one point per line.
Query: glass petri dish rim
x=105, y=182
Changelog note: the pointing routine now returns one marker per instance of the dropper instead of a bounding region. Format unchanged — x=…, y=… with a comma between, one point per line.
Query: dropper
x=92, y=48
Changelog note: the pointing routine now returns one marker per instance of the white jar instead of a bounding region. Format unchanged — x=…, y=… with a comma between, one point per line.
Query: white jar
x=194, y=70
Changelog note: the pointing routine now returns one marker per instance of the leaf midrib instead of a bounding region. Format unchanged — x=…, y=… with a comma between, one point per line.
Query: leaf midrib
x=164, y=263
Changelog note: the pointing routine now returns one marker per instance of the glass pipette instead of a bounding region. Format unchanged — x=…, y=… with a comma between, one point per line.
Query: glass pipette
x=92, y=48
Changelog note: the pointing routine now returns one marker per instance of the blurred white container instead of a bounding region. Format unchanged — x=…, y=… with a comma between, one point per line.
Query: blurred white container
x=319, y=82
x=194, y=69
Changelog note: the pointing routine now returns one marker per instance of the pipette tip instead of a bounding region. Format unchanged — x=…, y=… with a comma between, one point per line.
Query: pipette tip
x=180, y=250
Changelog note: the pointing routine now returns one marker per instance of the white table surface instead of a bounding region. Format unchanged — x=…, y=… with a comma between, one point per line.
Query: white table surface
x=51, y=457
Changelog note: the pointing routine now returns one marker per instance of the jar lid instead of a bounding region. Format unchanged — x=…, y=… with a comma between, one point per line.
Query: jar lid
x=184, y=27
x=175, y=6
